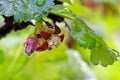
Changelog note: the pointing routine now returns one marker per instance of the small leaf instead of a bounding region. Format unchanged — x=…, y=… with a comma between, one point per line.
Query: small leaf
x=87, y=38
x=62, y=11
x=103, y=54
x=83, y=34
x=67, y=1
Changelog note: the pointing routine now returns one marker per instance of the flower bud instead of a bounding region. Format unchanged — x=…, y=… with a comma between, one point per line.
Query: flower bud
x=30, y=45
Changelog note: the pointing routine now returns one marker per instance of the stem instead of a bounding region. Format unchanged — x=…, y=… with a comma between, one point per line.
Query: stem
x=48, y=24
x=67, y=25
x=38, y=26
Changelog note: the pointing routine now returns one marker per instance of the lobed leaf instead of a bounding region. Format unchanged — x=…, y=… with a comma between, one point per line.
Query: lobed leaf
x=100, y=52
x=25, y=10
x=62, y=11
x=103, y=54
x=83, y=34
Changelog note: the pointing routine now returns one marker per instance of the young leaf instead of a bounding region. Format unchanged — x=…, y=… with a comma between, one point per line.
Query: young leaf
x=103, y=54
x=83, y=34
x=67, y=1
x=62, y=11
x=100, y=52
x=25, y=10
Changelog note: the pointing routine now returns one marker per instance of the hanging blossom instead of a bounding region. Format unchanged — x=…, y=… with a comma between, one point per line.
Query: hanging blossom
x=47, y=39
x=31, y=45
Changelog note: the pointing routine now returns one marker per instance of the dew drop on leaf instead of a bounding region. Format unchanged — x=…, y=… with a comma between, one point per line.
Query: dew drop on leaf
x=40, y=3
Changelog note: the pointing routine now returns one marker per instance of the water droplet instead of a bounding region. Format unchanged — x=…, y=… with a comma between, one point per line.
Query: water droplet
x=37, y=17
x=40, y=2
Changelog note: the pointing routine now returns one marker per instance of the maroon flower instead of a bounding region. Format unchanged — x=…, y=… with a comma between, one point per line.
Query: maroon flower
x=30, y=45
x=61, y=37
x=45, y=35
x=57, y=29
x=42, y=47
x=46, y=39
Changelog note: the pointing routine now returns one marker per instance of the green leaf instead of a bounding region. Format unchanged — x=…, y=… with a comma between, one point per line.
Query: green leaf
x=87, y=38
x=67, y=1
x=25, y=10
x=83, y=34
x=103, y=54
x=62, y=11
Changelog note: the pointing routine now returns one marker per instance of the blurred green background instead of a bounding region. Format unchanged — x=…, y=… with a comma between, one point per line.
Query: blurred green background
x=62, y=63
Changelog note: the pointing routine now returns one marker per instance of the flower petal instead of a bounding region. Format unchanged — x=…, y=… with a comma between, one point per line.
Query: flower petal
x=38, y=36
x=61, y=37
x=43, y=47
x=45, y=35
x=57, y=30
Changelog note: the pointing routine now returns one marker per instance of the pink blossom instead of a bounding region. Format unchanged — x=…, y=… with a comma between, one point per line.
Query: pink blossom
x=30, y=45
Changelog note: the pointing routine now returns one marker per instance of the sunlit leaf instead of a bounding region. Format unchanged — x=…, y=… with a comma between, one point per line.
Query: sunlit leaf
x=103, y=54
x=62, y=11
x=83, y=34
x=67, y=1
x=87, y=38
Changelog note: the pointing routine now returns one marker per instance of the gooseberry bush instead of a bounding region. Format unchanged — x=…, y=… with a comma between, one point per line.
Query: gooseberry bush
x=47, y=35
